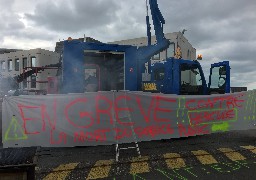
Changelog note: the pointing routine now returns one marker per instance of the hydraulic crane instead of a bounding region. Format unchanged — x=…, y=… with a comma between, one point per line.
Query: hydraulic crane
x=145, y=53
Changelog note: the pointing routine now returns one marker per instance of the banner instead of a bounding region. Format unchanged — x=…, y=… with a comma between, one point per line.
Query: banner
x=104, y=118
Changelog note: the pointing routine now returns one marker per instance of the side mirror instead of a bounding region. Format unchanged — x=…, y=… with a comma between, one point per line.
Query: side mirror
x=222, y=82
x=222, y=70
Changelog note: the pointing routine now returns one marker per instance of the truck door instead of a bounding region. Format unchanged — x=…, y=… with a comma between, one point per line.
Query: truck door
x=219, y=79
x=192, y=81
x=158, y=80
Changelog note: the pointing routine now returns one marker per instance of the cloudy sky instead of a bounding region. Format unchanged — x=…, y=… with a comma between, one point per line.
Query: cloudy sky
x=218, y=29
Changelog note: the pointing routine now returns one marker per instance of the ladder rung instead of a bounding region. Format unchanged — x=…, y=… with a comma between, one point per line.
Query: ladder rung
x=128, y=148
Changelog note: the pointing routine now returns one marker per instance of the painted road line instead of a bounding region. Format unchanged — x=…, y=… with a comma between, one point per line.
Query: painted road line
x=61, y=172
x=232, y=155
x=174, y=160
x=204, y=157
x=101, y=169
x=139, y=165
x=251, y=148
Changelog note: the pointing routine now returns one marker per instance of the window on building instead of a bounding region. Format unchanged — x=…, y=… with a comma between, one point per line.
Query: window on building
x=25, y=83
x=156, y=57
x=170, y=52
x=9, y=65
x=33, y=81
x=33, y=61
x=25, y=62
x=17, y=64
x=188, y=54
x=3, y=65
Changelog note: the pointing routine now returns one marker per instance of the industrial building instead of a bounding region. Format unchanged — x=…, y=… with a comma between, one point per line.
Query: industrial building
x=4, y=50
x=13, y=64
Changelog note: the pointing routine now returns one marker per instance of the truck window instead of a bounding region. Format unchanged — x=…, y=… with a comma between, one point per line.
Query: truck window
x=191, y=79
x=191, y=75
x=159, y=74
x=218, y=77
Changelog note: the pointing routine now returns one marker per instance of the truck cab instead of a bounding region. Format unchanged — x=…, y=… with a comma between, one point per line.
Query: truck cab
x=186, y=77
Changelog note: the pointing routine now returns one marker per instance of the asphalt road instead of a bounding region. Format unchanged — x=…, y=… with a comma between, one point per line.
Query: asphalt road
x=229, y=155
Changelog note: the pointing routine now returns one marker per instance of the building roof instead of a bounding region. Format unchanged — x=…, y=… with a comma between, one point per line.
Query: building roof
x=4, y=50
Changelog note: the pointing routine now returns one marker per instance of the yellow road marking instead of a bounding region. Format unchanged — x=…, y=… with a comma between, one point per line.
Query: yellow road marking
x=251, y=148
x=101, y=169
x=204, y=157
x=231, y=154
x=139, y=165
x=173, y=160
x=61, y=172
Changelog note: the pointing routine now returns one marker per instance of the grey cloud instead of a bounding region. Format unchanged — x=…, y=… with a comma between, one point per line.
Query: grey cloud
x=243, y=67
x=242, y=79
x=74, y=15
x=7, y=4
x=9, y=20
x=210, y=20
x=11, y=26
x=41, y=34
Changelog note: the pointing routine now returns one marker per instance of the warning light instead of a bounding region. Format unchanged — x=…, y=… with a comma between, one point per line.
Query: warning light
x=131, y=69
x=70, y=39
x=199, y=57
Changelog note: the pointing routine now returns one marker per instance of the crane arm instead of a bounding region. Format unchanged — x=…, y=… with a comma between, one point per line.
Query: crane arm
x=158, y=20
x=145, y=53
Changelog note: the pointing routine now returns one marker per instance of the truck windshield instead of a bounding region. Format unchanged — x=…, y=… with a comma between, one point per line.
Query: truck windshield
x=191, y=79
x=190, y=75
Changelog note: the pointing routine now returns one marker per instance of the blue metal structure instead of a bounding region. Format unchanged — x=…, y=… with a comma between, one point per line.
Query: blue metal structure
x=73, y=64
x=145, y=53
x=148, y=25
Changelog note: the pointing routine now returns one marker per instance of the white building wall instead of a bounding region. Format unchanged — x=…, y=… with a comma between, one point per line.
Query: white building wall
x=177, y=38
x=43, y=57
